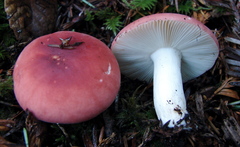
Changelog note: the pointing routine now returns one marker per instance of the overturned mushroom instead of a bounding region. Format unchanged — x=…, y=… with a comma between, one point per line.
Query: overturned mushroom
x=171, y=49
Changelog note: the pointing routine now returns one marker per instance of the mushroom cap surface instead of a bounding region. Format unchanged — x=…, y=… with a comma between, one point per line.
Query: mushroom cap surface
x=66, y=85
x=135, y=43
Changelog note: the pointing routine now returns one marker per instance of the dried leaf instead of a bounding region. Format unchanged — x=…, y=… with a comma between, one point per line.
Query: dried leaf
x=36, y=131
x=147, y=136
x=233, y=50
x=235, y=83
x=233, y=40
x=215, y=129
x=167, y=132
x=107, y=140
x=5, y=143
x=225, y=84
x=30, y=19
x=234, y=73
x=233, y=62
x=6, y=125
x=199, y=105
x=229, y=93
x=202, y=16
x=87, y=140
x=224, y=88
x=231, y=130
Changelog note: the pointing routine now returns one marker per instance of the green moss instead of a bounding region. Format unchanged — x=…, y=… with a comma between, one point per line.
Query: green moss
x=186, y=7
x=113, y=24
x=112, y=20
x=141, y=4
x=134, y=112
x=6, y=86
x=7, y=37
x=89, y=15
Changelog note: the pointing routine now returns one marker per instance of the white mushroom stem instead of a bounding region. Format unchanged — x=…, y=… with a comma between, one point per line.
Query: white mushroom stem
x=169, y=98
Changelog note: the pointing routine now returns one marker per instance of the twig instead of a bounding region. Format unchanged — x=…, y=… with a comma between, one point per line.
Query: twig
x=236, y=27
x=64, y=133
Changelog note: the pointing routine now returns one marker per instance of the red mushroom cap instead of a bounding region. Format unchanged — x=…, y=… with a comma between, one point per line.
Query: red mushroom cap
x=66, y=85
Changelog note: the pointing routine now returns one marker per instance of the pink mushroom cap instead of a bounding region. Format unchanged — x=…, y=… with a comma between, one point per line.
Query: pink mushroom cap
x=62, y=85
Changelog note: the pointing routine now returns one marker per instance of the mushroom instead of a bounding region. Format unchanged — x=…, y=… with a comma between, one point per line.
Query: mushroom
x=170, y=49
x=66, y=77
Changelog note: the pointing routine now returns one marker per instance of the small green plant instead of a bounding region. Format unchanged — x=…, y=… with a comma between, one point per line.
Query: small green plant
x=25, y=136
x=7, y=37
x=186, y=7
x=111, y=19
x=113, y=24
x=235, y=105
x=89, y=15
x=133, y=112
x=89, y=4
x=6, y=86
x=221, y=10
x=105, y=13
x=140, y=4
x=130, y=115
x=2, y=54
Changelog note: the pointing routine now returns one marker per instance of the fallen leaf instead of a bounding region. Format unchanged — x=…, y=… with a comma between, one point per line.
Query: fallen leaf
x=28, y=19
x=36, y=131
x=225, y=90
x=231, y=130
x=229, y=93
x=5, y=143
x=6, y=125
x=202, y=16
